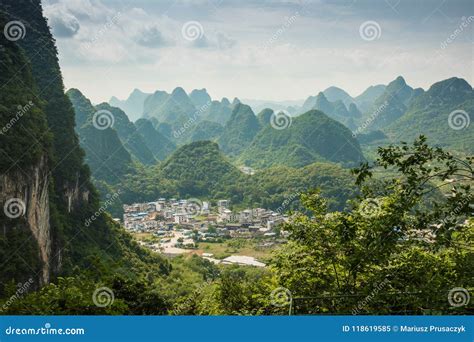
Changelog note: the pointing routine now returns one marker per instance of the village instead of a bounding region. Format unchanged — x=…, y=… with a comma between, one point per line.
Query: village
x=179, y=225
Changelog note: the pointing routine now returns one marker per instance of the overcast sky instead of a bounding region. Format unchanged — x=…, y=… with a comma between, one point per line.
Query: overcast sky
x=273, y=50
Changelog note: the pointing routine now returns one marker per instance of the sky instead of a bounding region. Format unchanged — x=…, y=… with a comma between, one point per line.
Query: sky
x=268, y=50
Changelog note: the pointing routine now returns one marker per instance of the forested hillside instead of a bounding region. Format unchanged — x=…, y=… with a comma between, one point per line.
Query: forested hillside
x=54, y=227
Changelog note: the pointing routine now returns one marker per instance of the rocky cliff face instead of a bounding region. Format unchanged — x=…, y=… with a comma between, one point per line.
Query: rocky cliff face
x=43, y=173
x=26, y=197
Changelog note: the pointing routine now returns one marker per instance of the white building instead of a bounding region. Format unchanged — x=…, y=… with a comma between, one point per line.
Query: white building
x=242, y=260
x=181, y=218
x=222, y=205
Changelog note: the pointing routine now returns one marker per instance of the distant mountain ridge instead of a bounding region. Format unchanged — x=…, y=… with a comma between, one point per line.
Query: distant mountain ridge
x=105, y=154
x=310, y=137
x=133, y=105
x=444, y=113
x=379, y=108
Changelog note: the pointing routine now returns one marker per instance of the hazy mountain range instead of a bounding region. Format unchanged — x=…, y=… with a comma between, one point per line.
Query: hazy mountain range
x=387, y=108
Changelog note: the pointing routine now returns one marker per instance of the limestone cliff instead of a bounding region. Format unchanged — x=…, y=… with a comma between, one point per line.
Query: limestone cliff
x=26, y=195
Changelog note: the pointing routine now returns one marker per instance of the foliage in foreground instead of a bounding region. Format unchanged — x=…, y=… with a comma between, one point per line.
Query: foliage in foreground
x=388, y=255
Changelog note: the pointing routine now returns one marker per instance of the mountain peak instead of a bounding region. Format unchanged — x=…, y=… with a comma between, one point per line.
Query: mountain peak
x=321, y=95
x=265, y=115
x=225, y=101
x=178, y=91
x=240, y=129
x=321, y=101
x=76, y=92
x=399, y=88
x=200, y=97
x=335, y=93
x=399, y=80
x=453, y=84
x=451, y=89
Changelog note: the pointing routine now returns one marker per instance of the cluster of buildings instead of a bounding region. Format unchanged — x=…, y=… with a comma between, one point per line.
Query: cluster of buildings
x=164, y=215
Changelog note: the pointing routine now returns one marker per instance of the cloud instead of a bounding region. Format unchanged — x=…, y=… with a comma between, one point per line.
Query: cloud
x=224, y=42
x=202, y=42
x=312, y=44
x=151, y=37
x=218, y=40
x=64, y=24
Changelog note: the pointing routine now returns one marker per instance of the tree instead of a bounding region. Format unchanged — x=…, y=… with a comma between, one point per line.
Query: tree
x=392, y=241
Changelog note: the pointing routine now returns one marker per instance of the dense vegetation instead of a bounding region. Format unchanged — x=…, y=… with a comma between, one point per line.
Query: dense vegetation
x=311, y=137
x=405, y=235
x=201, y=170
x=429, y=114
x=392, y=256
x=19, y=101
x=239, y=131
x=159, y=145
x=128, y=134
x=106, y=156
x=47, y=149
